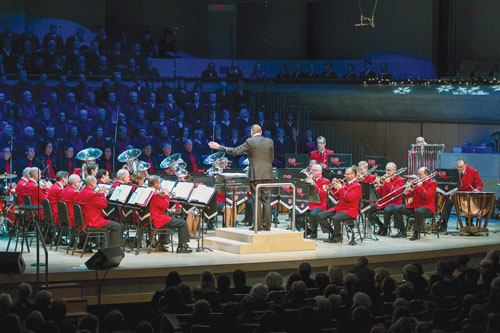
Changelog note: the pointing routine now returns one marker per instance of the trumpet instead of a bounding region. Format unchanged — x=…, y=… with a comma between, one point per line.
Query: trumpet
x=335, y=181
x=379, y=181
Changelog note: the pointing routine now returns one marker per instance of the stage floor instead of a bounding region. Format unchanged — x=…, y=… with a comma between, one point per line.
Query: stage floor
x=139, y=276
x=428, y=246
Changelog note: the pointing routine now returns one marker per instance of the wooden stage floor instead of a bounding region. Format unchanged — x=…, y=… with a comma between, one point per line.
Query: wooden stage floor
x=145, y=272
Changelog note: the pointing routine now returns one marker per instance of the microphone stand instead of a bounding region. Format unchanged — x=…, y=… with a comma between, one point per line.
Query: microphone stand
x=116, y=134
x=11, y=152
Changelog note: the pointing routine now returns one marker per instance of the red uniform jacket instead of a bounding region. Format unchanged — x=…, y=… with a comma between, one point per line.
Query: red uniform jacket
x=21, y=186
x=92, y=204
x=323, y=194
x=54, y=196
x=348, y=196
x=368, y=179
x=470, y=180
x=424, y=196
x=157, y=207
x=70, y=196
x=323, y=159
x=388, y=187
x=37, y=195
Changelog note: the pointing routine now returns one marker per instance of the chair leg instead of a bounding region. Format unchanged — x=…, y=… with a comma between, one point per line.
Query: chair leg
x=85, y=244
x=172, y=241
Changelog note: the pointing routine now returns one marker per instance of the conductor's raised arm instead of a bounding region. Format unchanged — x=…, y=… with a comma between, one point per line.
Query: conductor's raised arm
x=241, y=149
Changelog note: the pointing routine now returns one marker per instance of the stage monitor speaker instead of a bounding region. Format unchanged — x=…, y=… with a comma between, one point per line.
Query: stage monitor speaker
x=12, y=262
x=105, y=258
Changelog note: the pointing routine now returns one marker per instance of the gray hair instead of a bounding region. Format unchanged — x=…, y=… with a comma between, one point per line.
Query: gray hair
x=34, y=171
x=122, y=173
x=316, y=166
x=362, y=299
x=321, y=138
x=391, y=165
x=273, y=280
x=90, y=180
x=26, y=171
x=259, y=291
x=73, y=179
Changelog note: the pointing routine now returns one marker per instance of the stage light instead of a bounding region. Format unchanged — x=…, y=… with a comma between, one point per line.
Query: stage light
x=402, y=91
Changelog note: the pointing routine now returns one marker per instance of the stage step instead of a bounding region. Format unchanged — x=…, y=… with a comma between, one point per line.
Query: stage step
x=65, y=290
x=76, y=304
x=244, y=241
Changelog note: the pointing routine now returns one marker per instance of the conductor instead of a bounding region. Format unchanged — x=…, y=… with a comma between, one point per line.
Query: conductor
x=260, y=152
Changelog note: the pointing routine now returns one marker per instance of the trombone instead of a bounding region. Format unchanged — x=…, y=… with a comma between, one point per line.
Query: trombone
x=379, y=181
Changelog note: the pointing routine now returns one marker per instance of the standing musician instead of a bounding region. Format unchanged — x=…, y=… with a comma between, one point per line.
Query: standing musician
x=92, y=203
x=471, y=182
x=422, y=203
x=319, y=183
x=260, y=151
x=363, y=175
x=347, y=208
x=390, y=184
x=321, y=154
x=158, y=204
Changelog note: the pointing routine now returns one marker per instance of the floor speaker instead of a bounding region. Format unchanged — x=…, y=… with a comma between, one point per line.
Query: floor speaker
x=12, y=262
x=106, y=258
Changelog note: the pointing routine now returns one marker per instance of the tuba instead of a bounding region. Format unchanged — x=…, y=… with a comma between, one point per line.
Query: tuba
x=175, y=164
x=218, y=163
x=89, y=155
x=129, y=157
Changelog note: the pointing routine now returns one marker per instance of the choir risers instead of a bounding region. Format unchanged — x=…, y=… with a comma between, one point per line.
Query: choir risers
x=244, y=241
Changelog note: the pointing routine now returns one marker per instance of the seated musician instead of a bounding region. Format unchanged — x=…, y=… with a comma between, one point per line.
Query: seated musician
x=471, y=182
x=37, y=193
x=22, y=185
x=422, y=202
x=92, y=203
x=319, y=182
x=158, y=204
x=103, y=176
x=321, y=154
x=223, y=206
x=70, y=196
x=390, y=198
x=91, y=169
x=55, y=191
x=122, y=177
x=363, y=174
x=348, y=195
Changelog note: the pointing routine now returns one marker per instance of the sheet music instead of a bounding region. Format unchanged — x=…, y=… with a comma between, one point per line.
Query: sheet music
x=141, y=196
x=168, y=185
x=182, y=190
x=201, y=194
x=121, y=193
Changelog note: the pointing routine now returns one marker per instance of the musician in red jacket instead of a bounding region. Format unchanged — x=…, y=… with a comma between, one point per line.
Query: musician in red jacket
x=363, y=174
x=22, y=185
x=37, y=193
x=348, y=195
x=422, y=202
x=70, y=196
x=157, y=206
x=471, y=182
x=319, y=182
x=390, y=193
x=55, y=192
x=321, y=154
x=92, y=203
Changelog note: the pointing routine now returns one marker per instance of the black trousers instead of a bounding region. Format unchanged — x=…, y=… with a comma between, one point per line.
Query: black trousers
x=115, y=235
x=388, y=212
x=182, y=230
x=447, y=212
x=314, y=219
x=420, y=214
x=263, y=217
x=336, y=218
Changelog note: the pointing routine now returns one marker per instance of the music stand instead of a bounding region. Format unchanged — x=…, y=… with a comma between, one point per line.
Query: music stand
x=368, y=193
x=202, y=196
x=380, y=162
x=139, y=200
